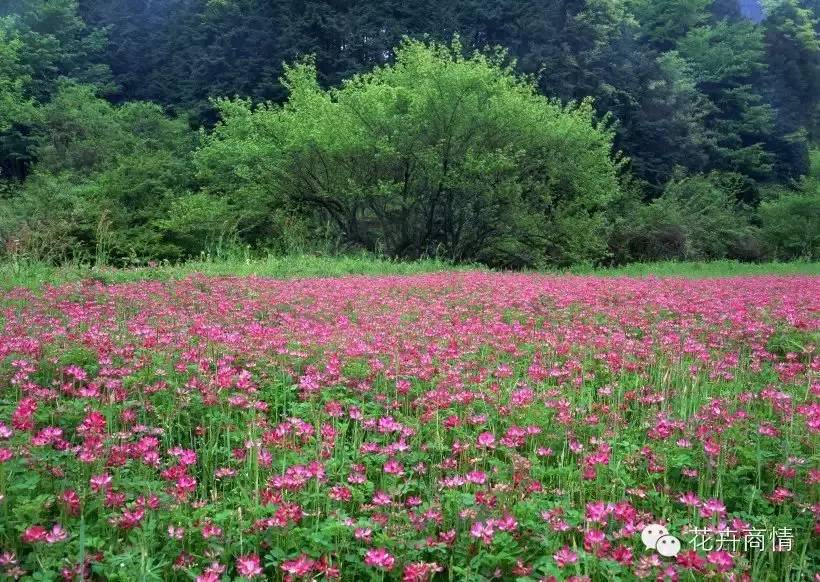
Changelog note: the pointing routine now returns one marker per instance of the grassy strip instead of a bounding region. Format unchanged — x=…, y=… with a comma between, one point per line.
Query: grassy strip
x=722, y=268
x=34, y=275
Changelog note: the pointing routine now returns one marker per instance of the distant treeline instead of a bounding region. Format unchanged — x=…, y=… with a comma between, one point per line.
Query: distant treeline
x=512, y=132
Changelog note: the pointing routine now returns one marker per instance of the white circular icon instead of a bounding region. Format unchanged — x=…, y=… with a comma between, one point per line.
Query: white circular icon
x=652, y=533
x=668, y=546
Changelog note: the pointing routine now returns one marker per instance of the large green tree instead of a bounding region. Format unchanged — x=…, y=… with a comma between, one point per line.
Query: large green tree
x=665, y=22
x=434, y=154
x=727, y=61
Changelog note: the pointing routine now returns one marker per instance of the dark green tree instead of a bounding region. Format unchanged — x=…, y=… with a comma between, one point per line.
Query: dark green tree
x=15, y=107
x=727, y=62
x=58, y=45
x=53, y=44
x=793, y=56
x=665, y=22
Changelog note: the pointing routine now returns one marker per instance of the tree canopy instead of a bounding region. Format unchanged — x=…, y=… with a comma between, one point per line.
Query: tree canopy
x=435, y=153
x=144, y=129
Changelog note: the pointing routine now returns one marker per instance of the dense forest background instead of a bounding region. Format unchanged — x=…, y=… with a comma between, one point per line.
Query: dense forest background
x=605, y=131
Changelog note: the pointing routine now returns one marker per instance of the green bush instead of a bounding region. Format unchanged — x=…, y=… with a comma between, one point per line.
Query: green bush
x=696, y=218
x=436, y=154
x=791, y=225
x=105, y=178
x=790, y=219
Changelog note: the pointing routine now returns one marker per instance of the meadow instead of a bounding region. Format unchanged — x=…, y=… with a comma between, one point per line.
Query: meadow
x=408, y=421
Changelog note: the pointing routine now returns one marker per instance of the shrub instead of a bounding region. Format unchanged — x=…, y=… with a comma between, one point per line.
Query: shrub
x=790, y=219
x=791, y=225
x=105, y=175
x=435, y=154
x=696, y=218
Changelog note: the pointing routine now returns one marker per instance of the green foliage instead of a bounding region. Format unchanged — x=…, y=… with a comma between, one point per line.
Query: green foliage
x=793, y=54
x=665, y=22
x=14, y=106
x=790, y=340
x=614, y=51
x=696, y=218
x=105, y=176
x=790, y=219
x=728, y=61
x=666, y=121
x=435, y=154
x=791, y=225
x=199, y=221
x=42, y=44
x=391, y=162
x=58, y=44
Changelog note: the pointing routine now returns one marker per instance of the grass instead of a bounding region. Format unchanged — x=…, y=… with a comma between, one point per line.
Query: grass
x=706, y=269
x=36, y=274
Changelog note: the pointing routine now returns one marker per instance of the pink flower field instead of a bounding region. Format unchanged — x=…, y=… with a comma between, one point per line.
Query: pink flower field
x=456, y=426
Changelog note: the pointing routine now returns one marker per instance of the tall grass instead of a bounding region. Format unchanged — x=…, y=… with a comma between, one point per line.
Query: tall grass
x=33, y=274
x=723, y=268
x=36, y=274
